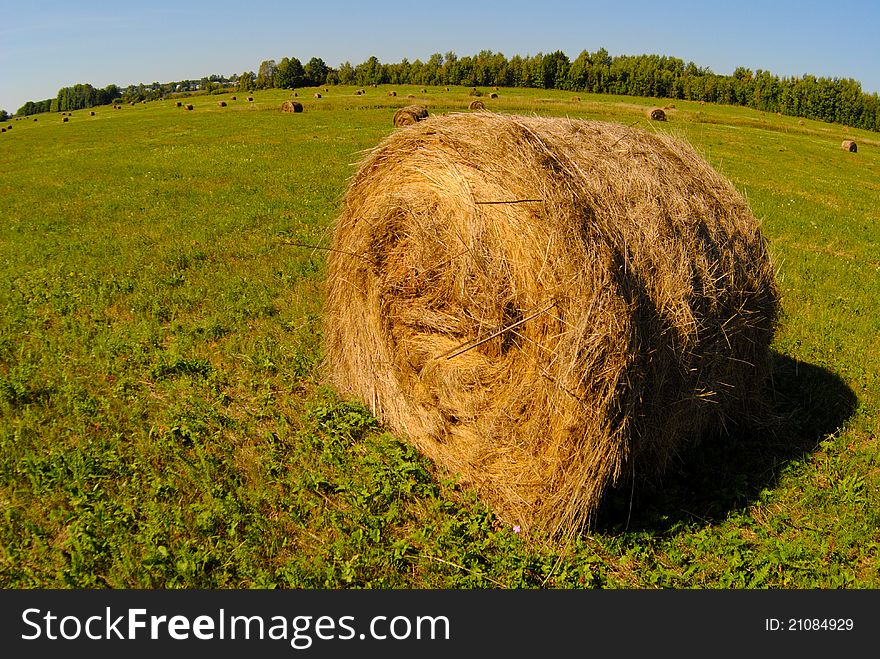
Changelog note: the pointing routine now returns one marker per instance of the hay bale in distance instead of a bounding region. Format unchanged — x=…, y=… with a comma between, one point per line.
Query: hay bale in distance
x=411, y=114
x=392, y=93
x=576, y=99
x=291, y=106
x=188, y=106
x=92, y=113
x=64, y=119
x=849, y=145
x=222, y=104
x=234, y=98
x=477, y=105
x=179, y=104
x=545, y=312
x=250, y=99
x=317, y=95
x=493, y=95
x=656, y=114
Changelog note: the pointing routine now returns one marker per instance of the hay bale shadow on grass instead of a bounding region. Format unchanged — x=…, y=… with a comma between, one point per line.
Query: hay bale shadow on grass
x=722, y=474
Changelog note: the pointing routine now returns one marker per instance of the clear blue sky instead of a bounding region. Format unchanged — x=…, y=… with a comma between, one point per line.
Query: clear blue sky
x=46, y=45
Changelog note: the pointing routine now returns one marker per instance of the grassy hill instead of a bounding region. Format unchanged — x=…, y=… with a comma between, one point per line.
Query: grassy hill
x=163, y=421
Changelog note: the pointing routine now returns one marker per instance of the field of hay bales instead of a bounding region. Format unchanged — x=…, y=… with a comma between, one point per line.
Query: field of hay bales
x=165, y=419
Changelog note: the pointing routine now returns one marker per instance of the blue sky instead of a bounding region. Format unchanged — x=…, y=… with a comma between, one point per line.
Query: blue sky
x=45, y=45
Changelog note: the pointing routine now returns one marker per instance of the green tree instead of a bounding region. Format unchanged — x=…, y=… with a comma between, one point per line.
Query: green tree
x=266, y=74
x=4, y=115
x=315, y=72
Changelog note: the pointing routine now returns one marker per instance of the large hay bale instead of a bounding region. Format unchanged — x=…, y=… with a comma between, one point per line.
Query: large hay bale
x=849, y=145
x=477, y=105
x=546, y=306
x=291, y=106
x=411, y=114
x=657, y=114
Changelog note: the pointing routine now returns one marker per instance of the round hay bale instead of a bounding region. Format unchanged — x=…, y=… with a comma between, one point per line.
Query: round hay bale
x=546, y=306
x=493, y=95
x=222, y=104
x=250, y=99
x=849, y=145
x=411, y=114
x=291, y=106
x=392, y=93
x=477, y=105
x=65, y=119
x=424, y=91
x=357, y=92
x=92, y=113
x=179, y=104
x=234, y=98
x=189, y=106
x=317, y=95
x=35, y=118
x=656, y=114
x=410, y=95
x=446, y=89
x=2, y=130
x=576, y=99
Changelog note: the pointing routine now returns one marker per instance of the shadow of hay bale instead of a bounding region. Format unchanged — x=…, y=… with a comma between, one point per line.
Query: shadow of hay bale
x=721, y=474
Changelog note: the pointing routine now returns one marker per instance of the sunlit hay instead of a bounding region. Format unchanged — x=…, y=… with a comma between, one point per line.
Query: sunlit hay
x=546, y=306
x=493, y=95
x=576, y=99
x=188, y=106
x=849, y=145
x=317, y=95
x=291, y=106
x=250, y=99
x=222, y=104
x=477, y=105
x=657, y=114
x=410, y=114
x=392, y=93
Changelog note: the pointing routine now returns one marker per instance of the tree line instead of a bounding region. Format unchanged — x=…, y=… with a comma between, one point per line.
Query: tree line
x=836, y=100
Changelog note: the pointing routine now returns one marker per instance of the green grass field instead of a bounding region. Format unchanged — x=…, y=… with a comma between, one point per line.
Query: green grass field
x=163, y=421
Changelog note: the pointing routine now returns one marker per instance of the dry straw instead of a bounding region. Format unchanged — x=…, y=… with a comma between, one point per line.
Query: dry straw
x=545, y=306
x=657, y=114
x=849, y=145
x=477, y=105
x=411, y=114
x=291, y=106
